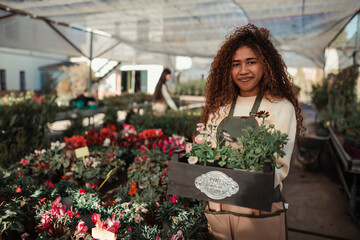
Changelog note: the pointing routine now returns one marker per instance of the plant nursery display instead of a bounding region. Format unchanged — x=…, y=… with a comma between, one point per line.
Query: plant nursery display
x=55, y=194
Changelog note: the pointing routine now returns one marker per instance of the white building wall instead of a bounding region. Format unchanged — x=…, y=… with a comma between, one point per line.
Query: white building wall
x=153, y=74
x=14, y=61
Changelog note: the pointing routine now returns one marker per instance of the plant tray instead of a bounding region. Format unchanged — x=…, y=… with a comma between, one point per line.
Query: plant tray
x=222, y=185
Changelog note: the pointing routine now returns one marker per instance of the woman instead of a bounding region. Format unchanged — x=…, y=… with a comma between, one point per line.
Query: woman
x=249, y=75
x=162, y=98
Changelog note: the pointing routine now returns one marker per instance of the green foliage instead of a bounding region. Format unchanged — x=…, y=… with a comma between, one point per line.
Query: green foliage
x=124, y=101
x=194, y=87
x=88, y=201
x=149, y=169
x=49, y=86
x=249, y=152
x=319, y=95
x=76, y=126
x=23, y=125
x=341, y=96
x=180, y=123
x=257, y=145
x=11, y=216
x=111, y=116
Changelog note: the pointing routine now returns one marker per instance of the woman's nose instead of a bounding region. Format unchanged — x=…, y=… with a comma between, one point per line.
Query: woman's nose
x=244, y=69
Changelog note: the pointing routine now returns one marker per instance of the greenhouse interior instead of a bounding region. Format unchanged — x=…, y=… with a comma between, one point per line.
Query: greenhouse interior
x=129, y=119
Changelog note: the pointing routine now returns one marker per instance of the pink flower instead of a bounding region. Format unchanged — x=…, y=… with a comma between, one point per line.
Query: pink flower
x=158, y=238
x=138, y=218
x=57, y=201
x=18, y=189
x=45, y=220
x=113, y=225
x=142, y=148
x=51, y=185
x=199, y=139
x=24, y=162
x=81, y=191
x=82, y=229
x=178, y=235
x=188, y=147
x=129, y=229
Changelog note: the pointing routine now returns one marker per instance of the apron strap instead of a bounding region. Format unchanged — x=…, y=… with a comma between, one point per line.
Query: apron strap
x=254, y=109
x=256, y=105
x=231, y=113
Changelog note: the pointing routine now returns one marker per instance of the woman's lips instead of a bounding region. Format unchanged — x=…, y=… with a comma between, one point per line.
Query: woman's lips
x=245, y=79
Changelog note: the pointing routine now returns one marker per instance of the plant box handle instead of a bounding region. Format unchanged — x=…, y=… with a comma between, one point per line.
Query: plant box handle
x=267, y=165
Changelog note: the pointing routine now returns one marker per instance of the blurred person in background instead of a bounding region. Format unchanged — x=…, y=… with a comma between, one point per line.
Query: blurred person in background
x=162, y=99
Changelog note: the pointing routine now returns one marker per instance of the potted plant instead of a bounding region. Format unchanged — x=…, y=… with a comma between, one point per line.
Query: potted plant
x=244, y=165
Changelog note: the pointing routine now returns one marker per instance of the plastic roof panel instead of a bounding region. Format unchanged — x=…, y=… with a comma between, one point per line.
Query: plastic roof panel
x=301, y=29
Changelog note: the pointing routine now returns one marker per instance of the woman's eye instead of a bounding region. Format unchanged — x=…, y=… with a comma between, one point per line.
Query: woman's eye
x=235, y=64
x=252, y=62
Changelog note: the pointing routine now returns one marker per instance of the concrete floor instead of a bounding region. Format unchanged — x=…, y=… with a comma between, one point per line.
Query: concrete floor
x=317, y=204
x=317, y=201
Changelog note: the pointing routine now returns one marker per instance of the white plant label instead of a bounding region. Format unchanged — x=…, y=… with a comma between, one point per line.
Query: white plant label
x=216, y=185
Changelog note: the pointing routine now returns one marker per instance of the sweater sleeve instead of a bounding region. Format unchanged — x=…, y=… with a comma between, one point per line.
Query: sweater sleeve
x=168, y=98
x=285, y=123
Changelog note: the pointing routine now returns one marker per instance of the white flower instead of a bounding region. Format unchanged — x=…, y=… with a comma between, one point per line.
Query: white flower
x=106, y=142
x=193, y=160
x=96, y=164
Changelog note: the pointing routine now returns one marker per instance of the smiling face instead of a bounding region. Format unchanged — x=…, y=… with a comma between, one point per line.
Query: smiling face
x=247, y=71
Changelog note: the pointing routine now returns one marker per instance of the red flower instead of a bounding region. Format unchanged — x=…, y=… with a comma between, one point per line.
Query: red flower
x=81, y=191
x=75, y=142
x=51, y=185
x=94, y=217
x=64, y=177
x=43, y=199
x=18, y=189
x=112, y=202
x=132, y=191
x=70, y=213
x=104, y=205
x=133, y=184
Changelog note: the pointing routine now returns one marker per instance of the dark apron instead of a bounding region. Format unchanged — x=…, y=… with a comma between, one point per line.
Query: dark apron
x=235, y=125
x=226, y=222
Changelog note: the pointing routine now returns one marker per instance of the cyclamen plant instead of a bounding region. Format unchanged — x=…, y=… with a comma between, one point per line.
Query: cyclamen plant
x=59, y=223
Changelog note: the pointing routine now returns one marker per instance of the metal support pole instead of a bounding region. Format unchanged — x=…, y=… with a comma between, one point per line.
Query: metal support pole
x=357, y=39
x=91, y=57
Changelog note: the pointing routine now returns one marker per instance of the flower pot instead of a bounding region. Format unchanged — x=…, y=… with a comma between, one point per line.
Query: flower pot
x=86, y=217
x=236, y=187
x=67, y=201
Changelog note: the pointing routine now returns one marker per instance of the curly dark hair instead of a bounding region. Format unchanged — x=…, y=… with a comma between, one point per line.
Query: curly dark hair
x=275, y=84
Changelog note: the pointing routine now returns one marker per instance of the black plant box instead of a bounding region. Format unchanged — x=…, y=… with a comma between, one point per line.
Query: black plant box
x=222, y=185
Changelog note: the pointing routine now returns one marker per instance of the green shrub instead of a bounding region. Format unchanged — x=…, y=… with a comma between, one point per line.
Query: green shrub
x=23, y=125
x=195, y=87
x=181, y=123
x=124, y=101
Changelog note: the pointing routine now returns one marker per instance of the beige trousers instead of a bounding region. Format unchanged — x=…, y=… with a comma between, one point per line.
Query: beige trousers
x=159, y=108
x=229, y=222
